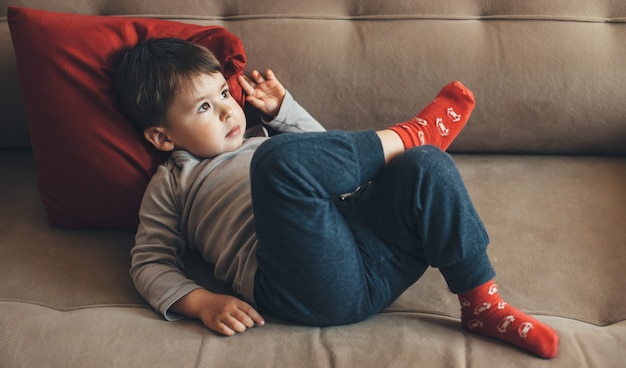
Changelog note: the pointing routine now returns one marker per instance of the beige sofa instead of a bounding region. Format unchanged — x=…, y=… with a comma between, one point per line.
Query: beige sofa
x=544, y=158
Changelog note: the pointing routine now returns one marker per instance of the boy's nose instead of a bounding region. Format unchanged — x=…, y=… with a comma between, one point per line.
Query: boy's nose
x=225, y=112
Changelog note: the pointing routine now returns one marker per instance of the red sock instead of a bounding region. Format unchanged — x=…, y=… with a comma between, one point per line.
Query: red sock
x=441, y=121
x=485, y=313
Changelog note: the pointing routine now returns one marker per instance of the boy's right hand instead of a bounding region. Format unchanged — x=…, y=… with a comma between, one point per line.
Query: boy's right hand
x=264, y=93
x=221, y=313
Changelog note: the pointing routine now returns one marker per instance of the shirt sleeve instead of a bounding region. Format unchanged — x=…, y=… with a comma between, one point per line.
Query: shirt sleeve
x=293, y=118
x=157, y=269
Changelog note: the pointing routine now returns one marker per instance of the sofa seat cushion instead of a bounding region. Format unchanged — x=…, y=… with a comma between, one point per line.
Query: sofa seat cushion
x=539, y=212
x=36, y=336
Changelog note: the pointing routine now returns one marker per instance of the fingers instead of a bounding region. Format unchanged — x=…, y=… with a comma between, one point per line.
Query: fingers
x=246, y=84
x=257, y=77
x=265, y=93
x=254, y=316
x=238, y=320
x=231, y=326
x=245, y=317
x=249, y=88
x=249, y=85
x=269, y=74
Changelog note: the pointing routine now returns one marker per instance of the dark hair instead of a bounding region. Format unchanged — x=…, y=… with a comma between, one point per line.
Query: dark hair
x=150, y=73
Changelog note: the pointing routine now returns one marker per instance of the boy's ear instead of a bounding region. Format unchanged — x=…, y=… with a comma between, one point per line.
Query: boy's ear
x=159, y=138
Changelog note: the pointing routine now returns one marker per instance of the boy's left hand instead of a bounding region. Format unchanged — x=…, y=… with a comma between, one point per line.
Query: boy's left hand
x=264, y=93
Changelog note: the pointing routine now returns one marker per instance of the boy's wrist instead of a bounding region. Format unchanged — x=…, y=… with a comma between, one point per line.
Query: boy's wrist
x=190, y=305
x=279, y=112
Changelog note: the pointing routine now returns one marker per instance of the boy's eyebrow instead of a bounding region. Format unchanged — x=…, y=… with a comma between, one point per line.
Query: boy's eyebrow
x=204, y=97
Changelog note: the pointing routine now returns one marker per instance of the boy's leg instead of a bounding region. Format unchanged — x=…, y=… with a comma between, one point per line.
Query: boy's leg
x=440, y=122
x=311, y=269
x=439, y=225
x=419, y=205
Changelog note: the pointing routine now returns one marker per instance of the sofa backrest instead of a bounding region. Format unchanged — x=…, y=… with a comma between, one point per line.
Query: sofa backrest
x=549, y=77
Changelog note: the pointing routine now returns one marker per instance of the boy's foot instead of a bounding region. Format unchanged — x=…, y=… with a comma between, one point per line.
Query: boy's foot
x=441, y=121
x=485, y=313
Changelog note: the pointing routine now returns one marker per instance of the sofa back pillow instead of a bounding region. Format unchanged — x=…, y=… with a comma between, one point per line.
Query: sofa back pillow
x=92, y=164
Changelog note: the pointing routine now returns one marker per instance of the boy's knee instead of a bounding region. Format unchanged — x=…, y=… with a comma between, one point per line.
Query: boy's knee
x=268, y=156
x=278, y=149
x=428, y=157
x=293, y=154
x=429, y=163
x=278, y=163
x=266, y=148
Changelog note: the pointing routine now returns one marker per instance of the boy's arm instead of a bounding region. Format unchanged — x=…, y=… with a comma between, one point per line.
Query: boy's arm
x=157, y=269
x=274, y=101
x=293, y=118
x=156, y=259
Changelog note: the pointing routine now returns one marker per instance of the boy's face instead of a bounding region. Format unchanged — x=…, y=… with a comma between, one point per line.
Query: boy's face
x=204, y=119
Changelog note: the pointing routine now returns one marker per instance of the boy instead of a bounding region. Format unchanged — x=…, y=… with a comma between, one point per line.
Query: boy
x=321, y=228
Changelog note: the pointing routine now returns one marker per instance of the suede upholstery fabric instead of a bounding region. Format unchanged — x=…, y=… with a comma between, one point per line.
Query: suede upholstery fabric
x=543, y=157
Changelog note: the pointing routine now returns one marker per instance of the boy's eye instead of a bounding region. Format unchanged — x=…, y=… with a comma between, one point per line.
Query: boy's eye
x=204, y=107
x=225, y=93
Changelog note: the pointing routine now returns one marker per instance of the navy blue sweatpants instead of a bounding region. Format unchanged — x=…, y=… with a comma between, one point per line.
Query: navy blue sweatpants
x=342, y=235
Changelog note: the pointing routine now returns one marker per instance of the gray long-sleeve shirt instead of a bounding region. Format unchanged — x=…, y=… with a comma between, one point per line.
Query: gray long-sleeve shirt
x=203, y=204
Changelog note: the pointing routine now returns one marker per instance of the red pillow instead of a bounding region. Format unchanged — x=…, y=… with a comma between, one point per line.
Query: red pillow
x=92, y=164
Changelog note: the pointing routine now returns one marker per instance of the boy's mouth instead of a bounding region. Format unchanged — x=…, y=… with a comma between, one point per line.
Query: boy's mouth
x=235, y=131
